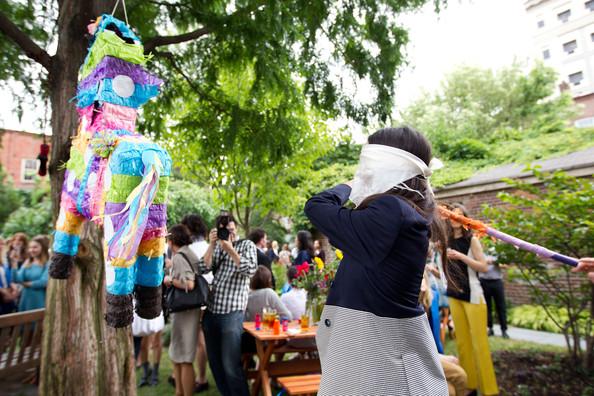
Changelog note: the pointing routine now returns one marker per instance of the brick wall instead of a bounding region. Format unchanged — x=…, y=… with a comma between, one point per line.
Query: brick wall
x=15, y=148
x=588, y=102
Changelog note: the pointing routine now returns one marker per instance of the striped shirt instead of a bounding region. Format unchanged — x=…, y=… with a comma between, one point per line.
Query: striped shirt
x=231, y=284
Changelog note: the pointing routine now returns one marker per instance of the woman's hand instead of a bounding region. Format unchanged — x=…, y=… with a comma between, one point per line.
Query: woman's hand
x=26, y=284
x=453, y=254
x=167, y=281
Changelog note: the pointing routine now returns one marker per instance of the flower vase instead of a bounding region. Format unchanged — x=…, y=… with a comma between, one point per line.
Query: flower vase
x=314, y=308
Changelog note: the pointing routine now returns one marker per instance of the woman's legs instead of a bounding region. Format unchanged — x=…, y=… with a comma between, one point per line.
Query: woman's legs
x=201, y=358
x=178, y=384
x=157, y=349
x=477, y=319
x=464, y=342
x=187, y=379
x=144, y=363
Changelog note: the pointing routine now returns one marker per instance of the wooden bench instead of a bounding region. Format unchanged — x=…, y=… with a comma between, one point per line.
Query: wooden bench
x=20, y=345
x=301, y=384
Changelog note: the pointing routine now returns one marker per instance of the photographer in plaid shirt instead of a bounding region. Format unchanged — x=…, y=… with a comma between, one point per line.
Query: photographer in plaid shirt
x=233, y=263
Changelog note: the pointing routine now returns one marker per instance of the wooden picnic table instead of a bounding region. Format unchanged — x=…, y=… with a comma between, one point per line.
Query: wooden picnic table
x=268, y=344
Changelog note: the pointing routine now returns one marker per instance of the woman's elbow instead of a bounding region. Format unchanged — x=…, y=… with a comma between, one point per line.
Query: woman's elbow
x=483, y=267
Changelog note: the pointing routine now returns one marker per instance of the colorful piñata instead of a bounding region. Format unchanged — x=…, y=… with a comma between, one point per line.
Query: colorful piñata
x=116, y=177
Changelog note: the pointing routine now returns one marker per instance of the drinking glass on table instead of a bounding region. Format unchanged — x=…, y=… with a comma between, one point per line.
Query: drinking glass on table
x=304, y=321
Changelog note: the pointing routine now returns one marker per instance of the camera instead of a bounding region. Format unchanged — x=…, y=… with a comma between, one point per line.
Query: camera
x=222, y=223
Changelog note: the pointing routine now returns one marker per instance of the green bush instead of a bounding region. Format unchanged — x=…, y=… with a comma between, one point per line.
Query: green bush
x=466, y=148
x=32, y=220
x=534, y=317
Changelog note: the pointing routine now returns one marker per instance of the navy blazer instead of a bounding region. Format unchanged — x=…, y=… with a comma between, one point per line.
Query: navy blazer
x=385, y=246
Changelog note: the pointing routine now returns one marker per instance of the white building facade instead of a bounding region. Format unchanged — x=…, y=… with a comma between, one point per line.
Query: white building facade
x=563, y=32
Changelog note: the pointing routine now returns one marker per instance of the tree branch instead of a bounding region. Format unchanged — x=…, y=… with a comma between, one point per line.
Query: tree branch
x=154, y=42
x=158, y=41
x=21, y=39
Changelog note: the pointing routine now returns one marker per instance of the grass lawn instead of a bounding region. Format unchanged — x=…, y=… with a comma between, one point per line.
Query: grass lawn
x=496, y=344
x=163, y=388
x=500, y=344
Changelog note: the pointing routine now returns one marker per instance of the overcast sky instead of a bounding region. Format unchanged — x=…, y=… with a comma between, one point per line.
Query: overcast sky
x=487, y=33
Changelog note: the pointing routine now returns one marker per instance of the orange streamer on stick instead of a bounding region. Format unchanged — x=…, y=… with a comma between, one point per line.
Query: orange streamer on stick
x=476, y=225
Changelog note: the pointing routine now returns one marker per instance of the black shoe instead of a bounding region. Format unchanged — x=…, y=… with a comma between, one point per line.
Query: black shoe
x=490, y=333
x=154, y=375
x=504, y=334
x=144, y=380
x=200, y=387
x=171, y=380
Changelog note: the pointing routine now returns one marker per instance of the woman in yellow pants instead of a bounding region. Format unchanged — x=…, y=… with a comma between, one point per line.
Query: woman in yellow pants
x=468, y=307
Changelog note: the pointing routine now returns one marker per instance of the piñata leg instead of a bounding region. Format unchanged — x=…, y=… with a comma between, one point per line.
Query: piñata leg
x=149, y=264
x=119, y=274
x=68, y=228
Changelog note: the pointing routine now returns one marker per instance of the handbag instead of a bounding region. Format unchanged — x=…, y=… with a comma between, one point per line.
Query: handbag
x=178, y=300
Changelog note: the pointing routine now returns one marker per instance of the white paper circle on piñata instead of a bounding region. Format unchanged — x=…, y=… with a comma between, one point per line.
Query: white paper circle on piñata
x=123, y=86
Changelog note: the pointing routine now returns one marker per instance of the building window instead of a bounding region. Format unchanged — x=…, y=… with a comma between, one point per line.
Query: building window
x=546, y=54
x=29, y=170
x=592, y=37
x=576, y=78
x=570, y=47
x=589, y=5
x=540, y=23
x=564, y=16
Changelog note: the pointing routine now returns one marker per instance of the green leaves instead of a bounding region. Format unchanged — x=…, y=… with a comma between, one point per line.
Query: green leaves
x=555, y=213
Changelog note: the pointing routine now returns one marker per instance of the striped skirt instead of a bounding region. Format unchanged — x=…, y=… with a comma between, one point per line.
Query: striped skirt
x=365, y=354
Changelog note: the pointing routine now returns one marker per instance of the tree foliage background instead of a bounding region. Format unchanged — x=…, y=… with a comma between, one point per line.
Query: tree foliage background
x=558, y=214
x=480, y=118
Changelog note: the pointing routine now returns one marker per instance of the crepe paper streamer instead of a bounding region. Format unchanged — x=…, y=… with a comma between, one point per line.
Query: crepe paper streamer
x=109, y=44
x=106, y=116
x=111, y=67
x=104, y=20
x=107, y=92
x=482, y=229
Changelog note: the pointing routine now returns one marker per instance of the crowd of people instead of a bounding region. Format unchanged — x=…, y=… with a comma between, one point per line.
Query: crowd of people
x=239, y=276
x=23, y=272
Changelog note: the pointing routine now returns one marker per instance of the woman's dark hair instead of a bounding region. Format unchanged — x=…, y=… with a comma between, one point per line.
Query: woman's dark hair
x=195, y=225
x=179, y=235
x=262, y=279
x=256, y=235
x=408, y=139
x=292, y=273
x=305, y=242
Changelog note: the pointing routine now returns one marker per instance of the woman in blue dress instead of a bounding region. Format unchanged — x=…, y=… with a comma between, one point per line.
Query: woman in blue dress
x=374, y=337
x=33, y=275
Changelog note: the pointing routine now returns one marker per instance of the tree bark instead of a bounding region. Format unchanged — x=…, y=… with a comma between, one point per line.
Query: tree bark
x=80, y=354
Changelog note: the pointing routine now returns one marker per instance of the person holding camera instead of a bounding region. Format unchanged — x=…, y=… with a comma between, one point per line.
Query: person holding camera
x=233, y=262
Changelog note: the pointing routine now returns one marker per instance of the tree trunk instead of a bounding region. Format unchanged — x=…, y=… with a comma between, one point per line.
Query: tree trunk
x=80, y=354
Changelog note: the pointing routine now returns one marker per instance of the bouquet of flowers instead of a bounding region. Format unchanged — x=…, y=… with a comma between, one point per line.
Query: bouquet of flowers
x=316, y=279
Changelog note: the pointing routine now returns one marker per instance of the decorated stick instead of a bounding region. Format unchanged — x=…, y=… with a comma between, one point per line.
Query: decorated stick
x=483, y=229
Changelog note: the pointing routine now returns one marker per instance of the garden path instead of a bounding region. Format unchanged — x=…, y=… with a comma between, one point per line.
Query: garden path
x=540, y=337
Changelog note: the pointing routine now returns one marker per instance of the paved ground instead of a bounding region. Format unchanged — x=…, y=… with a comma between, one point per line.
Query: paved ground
x=540, y=337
